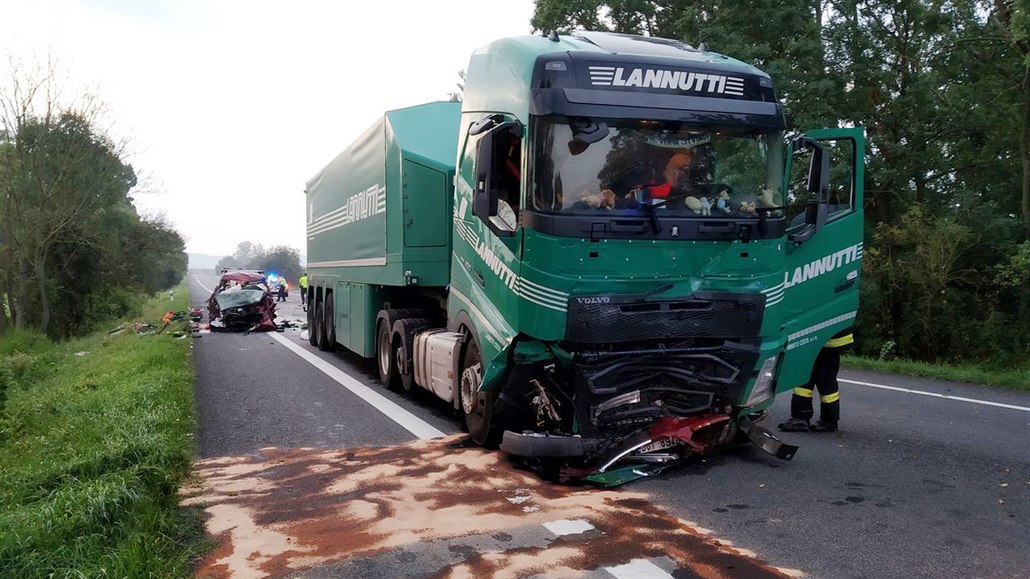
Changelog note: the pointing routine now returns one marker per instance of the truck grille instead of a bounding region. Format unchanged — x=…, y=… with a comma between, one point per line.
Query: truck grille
x=625, y=389
x=629, y=318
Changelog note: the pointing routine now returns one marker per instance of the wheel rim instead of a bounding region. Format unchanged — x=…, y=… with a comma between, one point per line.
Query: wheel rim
x=470, y=381
x=384, y=352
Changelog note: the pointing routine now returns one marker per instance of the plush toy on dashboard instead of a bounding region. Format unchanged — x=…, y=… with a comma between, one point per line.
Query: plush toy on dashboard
x=706, y=206
x=723, y=201
x=694, y=204
x=749, y=208
x=766, y=198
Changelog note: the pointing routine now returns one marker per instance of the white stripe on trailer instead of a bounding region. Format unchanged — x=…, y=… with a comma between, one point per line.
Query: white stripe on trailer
x=371, y=261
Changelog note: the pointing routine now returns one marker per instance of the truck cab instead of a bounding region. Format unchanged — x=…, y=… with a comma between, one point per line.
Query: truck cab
x=633, y=238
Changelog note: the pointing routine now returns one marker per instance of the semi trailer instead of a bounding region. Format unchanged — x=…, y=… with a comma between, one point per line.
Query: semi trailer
x=608, y=253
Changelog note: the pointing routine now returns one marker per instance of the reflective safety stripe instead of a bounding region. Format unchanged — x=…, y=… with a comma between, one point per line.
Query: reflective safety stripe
x=841, y=341
x=830, y=398
x=804, y=392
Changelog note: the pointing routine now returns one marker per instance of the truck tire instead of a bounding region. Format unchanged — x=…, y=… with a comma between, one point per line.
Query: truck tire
x=328, y=343
x=312, y=334
x=386, y=359
x=404, y=331
x=319, y=323
x=477, y=407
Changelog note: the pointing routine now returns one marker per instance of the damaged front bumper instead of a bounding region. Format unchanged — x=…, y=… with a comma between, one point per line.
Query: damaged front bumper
x=644, y=452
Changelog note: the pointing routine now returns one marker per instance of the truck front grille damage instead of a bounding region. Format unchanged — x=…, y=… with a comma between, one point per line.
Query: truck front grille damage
x=650, y=382
x=624, y=389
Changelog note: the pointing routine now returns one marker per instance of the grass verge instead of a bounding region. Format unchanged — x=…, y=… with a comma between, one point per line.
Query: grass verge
x=1015, y=378
x=96, y=435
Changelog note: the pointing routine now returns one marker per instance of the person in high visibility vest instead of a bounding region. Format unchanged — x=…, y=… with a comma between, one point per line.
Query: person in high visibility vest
x=823, y=379
x=303, y=283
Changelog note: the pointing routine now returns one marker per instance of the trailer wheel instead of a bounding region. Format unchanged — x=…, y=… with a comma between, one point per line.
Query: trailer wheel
x=319, y=323
x=386, y=361
x=312, y=330
x=477, y=407
x=328, y=342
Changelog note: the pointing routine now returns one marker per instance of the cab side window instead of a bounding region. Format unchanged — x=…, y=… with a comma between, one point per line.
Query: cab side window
x=507, y=179
x=841, y=194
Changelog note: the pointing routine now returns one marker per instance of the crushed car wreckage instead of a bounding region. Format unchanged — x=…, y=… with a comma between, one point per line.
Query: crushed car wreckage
x=242, y=302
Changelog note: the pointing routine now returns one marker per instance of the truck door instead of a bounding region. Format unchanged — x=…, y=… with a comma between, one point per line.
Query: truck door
x=823, y=262
x=487, y=237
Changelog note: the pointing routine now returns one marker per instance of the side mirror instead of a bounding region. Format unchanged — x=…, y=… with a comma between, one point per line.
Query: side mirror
x=818, y=182
x=484, y=198
x=819, y=171
x=815, y=218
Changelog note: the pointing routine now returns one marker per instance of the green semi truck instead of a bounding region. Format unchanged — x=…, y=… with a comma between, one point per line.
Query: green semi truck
x=608, y=253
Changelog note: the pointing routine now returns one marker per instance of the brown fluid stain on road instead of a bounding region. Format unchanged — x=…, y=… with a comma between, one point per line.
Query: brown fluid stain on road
x=280, y=511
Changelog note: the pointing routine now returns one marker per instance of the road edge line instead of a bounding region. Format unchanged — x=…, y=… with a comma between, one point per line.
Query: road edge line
x=408, y=421
x=197, y=279
x=937, y=395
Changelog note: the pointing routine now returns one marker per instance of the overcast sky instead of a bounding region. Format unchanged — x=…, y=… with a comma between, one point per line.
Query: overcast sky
x=232, y=106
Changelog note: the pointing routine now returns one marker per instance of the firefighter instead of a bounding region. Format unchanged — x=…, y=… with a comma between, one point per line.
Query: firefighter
x=303, y=283
x=823, y=379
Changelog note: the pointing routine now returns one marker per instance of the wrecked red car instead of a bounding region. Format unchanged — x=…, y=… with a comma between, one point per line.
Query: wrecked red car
x=242, y=301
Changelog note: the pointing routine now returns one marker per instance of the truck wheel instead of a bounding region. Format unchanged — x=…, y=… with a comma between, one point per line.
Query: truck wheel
x=405, y=330
x=477, y=407
x=386, y=361
x=319, y=323
x=312, y=331
x=328, y=326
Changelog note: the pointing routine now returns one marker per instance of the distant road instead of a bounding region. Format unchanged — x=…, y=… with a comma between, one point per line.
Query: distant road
x=925, y=479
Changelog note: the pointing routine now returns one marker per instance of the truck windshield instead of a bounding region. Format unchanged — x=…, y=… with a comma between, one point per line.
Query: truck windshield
x=680, y=170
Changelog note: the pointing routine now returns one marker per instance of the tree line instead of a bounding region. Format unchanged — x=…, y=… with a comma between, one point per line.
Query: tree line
x=74, y=251
x=280, y=259
x=942, y=88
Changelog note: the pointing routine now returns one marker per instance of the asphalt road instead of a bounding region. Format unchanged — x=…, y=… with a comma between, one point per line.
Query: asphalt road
x=912, y=486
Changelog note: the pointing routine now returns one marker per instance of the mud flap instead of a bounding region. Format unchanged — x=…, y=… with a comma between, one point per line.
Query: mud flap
x=763, y=438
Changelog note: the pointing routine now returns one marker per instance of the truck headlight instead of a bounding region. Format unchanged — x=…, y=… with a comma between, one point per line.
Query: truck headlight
x=763, y=388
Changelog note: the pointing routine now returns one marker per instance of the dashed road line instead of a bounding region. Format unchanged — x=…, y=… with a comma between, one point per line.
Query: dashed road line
x=564, y=527
x=638, y=569
x=389, y=408
x=936, y=395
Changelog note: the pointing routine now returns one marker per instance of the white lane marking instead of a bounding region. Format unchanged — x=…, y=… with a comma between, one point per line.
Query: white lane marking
x=207, y=289
x=638, y=569
x=405, y=419
x=563, y=527
x=936, y=395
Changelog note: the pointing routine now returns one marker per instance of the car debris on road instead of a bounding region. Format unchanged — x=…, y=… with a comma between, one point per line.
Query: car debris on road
x=242, y=301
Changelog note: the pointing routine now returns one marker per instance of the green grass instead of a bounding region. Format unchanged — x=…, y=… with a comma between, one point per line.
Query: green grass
x=92, y=451
x=1017, y=378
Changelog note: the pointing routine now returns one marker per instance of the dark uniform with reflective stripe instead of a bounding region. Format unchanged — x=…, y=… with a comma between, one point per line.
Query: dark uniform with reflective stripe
x=824, y=379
